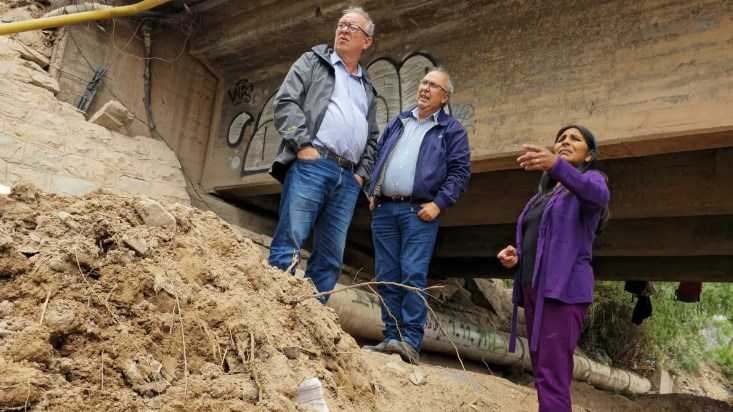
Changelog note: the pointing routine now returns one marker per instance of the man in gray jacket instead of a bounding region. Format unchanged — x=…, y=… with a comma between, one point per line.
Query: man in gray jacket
x=325, y=112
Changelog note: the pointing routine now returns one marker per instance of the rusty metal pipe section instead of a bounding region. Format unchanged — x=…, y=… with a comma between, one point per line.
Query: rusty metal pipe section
x=76, y=18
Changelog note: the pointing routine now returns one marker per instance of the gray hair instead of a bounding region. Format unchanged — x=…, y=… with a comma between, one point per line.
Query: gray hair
x=442, y=71
x=358, y=10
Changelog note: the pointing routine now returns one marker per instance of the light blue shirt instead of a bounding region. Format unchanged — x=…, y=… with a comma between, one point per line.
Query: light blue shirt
x=344, y=129
x=399, y=175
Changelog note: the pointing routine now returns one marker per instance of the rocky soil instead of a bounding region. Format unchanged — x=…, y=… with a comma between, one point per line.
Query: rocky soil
x=115, y=302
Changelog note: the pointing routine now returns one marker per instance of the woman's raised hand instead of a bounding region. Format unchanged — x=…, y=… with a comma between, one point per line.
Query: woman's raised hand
x=536, y=158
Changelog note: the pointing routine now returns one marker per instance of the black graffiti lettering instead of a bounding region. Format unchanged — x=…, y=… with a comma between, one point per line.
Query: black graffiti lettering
x=241, y=93
x=262, y=145
x=396, y=84
x=367, y=299
x=361, y=298
x=432, y=324
x=264, y=141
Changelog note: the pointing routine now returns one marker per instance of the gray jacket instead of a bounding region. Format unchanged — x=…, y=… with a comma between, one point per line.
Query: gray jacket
x=301, y=103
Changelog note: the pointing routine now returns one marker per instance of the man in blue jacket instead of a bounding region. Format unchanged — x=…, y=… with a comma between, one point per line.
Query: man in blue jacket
x=325, y=112
x=423, y=164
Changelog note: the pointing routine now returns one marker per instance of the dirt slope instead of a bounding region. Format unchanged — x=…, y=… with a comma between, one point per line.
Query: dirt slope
x=87, y=320
x=110, y=302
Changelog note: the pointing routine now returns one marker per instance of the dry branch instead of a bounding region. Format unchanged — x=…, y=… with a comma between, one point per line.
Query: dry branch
x=45, y=305
x=356, y=285
x=252, y=365
x=425, y=302
x=183, y=338
x=250, y=362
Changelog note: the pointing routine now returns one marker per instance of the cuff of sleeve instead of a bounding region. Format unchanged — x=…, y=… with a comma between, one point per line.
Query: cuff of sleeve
x=442, y=204
x=361, y=172
x=304, y=145
x=559, y=169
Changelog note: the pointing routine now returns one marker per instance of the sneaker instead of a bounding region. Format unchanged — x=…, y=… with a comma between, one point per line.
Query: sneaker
x=405, y=350
x=381, y=347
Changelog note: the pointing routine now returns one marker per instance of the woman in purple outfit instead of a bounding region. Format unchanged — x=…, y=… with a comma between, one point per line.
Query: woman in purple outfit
x=554, y=278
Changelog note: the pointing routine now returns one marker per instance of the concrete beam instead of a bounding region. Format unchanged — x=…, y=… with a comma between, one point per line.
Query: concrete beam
x=677, y=184
x=632, y=146
x=656, y=268
x=637, y=146
x=684, y=236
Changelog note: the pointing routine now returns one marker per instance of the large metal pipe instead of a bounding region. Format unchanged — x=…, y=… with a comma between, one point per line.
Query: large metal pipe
x=359, y=315
x=58, y=21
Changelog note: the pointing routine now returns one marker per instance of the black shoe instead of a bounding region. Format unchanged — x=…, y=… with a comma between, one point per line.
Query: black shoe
x=381, y=347
x=405, y=350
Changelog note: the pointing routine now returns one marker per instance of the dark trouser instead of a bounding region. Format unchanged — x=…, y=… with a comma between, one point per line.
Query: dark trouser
x=552, y=362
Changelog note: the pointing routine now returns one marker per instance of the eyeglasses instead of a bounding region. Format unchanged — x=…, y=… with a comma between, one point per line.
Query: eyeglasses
x=432, y=85
x=352, y=28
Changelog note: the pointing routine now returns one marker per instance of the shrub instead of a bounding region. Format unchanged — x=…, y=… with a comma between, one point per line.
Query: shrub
x=679, y=335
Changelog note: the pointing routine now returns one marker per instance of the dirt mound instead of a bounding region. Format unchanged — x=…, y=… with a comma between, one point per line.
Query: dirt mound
x=127, y=304
x=124, y=303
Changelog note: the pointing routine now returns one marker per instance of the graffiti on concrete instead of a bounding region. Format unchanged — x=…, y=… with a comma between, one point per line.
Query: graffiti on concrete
x=465, y=113
x=241, y=93
x=263, y=139
x=238, y=128
x=262, y=147
x=478, y=337
x=396, y=85
x=368, y=300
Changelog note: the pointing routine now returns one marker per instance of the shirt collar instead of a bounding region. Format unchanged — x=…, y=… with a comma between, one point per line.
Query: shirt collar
x=335, y=58
x=433, y=116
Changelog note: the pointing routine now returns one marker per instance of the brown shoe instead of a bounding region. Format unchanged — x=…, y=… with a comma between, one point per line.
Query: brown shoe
x=405, y=350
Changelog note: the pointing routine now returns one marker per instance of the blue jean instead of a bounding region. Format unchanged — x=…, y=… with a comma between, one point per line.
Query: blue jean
x=317, y=196
x=403, y=246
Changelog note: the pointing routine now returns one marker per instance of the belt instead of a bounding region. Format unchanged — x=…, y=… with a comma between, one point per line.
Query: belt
x=341, y=161
x=395, y=199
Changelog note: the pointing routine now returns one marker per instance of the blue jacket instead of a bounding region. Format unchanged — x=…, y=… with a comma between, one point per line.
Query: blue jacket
x=562, y=268
x=443, y=162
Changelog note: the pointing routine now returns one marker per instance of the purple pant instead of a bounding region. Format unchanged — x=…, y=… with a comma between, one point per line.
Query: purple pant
x=552, y=362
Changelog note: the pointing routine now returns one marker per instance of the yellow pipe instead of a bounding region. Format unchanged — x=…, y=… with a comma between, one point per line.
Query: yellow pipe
x=58, y=21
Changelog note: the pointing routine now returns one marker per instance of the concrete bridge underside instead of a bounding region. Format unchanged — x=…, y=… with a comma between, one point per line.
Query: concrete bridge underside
x=653, y=79
x=671, y=219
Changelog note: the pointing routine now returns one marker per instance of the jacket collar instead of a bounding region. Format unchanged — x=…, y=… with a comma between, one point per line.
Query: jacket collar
x=324, y=51
x=441, y=116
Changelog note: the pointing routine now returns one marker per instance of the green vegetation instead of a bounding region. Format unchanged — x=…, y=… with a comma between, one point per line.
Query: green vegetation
x=678, y=335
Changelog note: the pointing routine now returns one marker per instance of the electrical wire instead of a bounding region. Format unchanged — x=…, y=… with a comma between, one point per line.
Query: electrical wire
x=185, y=175
x=134, y=35
x=120, y=51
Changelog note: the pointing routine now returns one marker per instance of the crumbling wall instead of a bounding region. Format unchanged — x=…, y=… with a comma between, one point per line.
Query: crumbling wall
x=182, y=89
x=50, y=143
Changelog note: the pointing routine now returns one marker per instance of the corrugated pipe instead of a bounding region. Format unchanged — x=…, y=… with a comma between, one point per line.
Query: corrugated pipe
x=82, y=17
x=359, y=315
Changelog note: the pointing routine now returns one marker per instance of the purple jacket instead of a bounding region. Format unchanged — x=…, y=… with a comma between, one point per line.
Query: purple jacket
x=443, y=163
x=567, y=229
